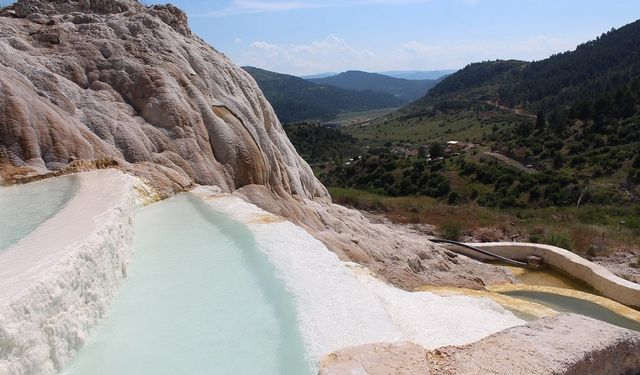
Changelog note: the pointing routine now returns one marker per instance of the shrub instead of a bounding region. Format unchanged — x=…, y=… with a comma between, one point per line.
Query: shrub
x=559, y=239
x=451, y=230
x=453, y=197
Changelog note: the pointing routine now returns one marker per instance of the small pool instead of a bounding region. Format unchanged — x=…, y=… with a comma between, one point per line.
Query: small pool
x=24, y=207
x=200, y=298
x=575, y=305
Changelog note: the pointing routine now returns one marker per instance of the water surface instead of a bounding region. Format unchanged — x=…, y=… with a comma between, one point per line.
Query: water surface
x=577, y=306
x=200, y=298
x=24, y=207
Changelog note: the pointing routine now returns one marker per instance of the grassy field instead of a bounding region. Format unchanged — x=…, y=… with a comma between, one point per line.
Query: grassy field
x=588, y=230
x=466, y=126
x=352, y=118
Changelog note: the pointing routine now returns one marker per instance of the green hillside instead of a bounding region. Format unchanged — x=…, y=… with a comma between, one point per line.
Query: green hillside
x=557, y=132
x=295, y=99
x=404, y=89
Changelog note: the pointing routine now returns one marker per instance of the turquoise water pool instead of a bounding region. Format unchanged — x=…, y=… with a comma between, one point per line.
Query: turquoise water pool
x=577, y=306
x=200, y=298
x=24, y=207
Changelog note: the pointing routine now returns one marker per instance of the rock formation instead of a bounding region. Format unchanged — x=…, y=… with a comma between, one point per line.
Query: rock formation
x=97, y=82
x=112, y=83
x=96, y=79
x=565, y=344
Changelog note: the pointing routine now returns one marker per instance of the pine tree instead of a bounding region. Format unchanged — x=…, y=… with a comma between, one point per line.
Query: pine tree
x=636, y=161
x=540, y=121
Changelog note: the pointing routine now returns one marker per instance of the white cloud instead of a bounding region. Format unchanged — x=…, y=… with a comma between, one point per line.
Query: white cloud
x=265, y=46
x=237, y=40
x=329, y=53
x=415, y=54
x=334, y=53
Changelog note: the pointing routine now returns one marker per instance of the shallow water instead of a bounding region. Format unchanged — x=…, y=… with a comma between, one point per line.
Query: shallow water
x=576, y=305
x=24, y=207
x=200, y=298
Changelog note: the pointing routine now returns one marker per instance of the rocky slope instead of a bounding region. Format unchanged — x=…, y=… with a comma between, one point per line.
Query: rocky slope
x=114, y=83
x=117, y=80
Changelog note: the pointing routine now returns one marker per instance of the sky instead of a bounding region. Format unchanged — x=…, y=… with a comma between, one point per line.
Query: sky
x=313, y=36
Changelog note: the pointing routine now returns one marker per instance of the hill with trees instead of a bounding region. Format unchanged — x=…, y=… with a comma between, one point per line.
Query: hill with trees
x=295, y=99
x=553, y=144
x=405, y=89
x=599, y=66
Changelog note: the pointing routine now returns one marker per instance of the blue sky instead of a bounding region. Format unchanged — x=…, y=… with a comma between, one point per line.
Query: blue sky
x=312, y=36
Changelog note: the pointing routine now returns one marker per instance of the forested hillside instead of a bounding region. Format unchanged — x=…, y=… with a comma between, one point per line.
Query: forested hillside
x=404, y=89
x=593, y=68
x=295, y=99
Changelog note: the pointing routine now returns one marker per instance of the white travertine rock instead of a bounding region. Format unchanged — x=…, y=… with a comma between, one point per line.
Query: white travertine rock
x=111, y=79
x=57, y=282
x=341, y=304
x=120, y=83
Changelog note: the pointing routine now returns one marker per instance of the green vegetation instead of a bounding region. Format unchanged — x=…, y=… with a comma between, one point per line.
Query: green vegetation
x=465, y=125
x=559, y=239
x=295, y=99
x=317, y=143
x=470, y=176
x=547, y=152
x=592, y=230
x=351, y=118
x=403, y=89
x=452, y=230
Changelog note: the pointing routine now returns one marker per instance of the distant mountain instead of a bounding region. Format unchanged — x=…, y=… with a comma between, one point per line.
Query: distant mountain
x=295, y=99
x=419, y=74
x=319, y=75
x=403, y=89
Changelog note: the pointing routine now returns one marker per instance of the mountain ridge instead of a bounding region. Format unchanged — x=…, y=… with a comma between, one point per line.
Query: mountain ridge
x=404, y=89
x=295, y=99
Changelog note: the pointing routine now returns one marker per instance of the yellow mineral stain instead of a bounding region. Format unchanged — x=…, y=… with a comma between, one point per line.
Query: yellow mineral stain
x=517, y=305
x=265, y=219
x=614, y=306
x=547, y=277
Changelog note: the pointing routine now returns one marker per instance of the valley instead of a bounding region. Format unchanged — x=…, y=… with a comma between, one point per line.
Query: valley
x=567, y=175
x=166, y=211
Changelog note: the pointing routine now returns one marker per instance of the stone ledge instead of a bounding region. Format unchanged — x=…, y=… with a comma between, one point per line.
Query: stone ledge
x=601, y=279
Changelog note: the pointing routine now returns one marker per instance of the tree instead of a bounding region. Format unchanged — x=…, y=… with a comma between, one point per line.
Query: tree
x=558, y=160
x=423, y=152
x=636, y=161
x=540, y=121
x=558, y=121
x=436, y=150
x=524, y=129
